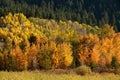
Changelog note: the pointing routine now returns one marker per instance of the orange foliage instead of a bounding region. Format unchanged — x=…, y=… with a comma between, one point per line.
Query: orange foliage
x=20, y=59
x=95, y=54
x=31, y=56
x=88, y=50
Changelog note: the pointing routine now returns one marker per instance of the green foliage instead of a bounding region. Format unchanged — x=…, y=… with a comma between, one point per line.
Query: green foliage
x=114, y=63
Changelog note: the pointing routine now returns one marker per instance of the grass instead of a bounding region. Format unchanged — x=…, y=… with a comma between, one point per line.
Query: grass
x=36, y=75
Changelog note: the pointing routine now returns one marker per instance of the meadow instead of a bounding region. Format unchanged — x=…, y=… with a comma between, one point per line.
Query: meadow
x=39, y=75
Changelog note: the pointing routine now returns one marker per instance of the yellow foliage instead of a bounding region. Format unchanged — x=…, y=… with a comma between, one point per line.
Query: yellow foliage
x=95, y=54
x=63, y=56
x=18, y=29
x=106, y=50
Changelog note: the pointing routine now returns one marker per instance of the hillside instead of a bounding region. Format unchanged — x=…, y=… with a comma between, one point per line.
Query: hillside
x=92, y=12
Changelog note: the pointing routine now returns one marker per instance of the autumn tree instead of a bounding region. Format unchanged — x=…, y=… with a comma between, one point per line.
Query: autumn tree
x=62, y=58
x=88, y=50
x=32, y=57
x=19, y=58
x=106, y=51
x=107, y=31
x=44, y=56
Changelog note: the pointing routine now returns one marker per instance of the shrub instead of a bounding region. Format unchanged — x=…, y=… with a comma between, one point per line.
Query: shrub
x=83, y=70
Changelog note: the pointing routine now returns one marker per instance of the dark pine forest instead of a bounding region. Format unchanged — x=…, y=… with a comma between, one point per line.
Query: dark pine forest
x=92, y=12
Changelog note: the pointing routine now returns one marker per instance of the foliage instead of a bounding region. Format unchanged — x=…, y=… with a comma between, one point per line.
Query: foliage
x=107, y=31
x=32, y=57
x=51, y=55
x=19, y=58
x=47, y=44
x=93, y=49
x=88, y=50
x=44, y=56
x=62, y=58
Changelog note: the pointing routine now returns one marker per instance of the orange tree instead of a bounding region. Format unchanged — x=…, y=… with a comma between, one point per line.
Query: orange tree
x=88, y=50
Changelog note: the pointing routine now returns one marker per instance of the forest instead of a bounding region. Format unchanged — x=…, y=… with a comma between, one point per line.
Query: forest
x=91, y=12
x=60, y=35
x=34, y=43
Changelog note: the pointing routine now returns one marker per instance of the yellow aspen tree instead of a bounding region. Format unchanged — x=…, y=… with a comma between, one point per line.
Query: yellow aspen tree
x=107, y=50
x=63, y=57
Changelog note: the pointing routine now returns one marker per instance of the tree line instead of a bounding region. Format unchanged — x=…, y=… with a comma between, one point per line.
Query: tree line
x=34, y=43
